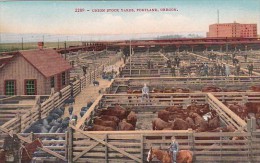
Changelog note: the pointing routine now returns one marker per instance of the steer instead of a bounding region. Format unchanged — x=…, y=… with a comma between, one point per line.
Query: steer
x=159, y=124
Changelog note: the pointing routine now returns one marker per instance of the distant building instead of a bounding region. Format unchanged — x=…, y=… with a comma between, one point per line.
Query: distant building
x=33, y=72
x=232, y=30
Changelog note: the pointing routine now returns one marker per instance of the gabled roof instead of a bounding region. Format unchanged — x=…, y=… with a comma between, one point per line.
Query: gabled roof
x=6, y=58
x=47, y=61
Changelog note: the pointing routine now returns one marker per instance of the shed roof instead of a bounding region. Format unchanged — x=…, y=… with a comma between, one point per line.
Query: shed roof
x=47, y=61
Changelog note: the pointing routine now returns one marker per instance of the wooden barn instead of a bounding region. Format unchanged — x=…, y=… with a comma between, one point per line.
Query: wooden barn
x=33, y=72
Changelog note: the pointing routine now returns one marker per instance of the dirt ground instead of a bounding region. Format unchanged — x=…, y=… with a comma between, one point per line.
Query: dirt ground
x=90, y=93
x=143, y=118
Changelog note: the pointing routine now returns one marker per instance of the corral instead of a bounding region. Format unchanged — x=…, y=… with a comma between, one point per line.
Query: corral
x=238, y=83
x=77, y=145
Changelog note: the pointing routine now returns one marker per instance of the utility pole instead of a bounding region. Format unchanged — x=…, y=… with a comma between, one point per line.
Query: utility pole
x=65, y=51
x=22, y=43
x=130, y=53
x=58, y=43
x=218, y=15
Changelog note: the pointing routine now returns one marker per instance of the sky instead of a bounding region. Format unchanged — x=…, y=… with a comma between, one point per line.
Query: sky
x=59, y=17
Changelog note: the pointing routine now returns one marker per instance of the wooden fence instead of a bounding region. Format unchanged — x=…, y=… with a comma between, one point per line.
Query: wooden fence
x=158, y=101
x=77, y=145
x=133, y=146
x=120, y=85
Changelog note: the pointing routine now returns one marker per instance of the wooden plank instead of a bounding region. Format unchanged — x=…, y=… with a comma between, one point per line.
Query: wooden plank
x=228, y=111
x=107, y=144
x=86, y=150
x=87, y=114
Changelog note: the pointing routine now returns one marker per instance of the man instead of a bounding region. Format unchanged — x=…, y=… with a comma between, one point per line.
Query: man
x=223, y=70
x=145, y=92
x=174, y=148
x=206, y=69
x=84, y=68
x=245, y=56
x=173, y=71
x=227, y=70
x=250, y=68
x=177, y=61
x=237, y=69
x=149, y=63
x=169, y=64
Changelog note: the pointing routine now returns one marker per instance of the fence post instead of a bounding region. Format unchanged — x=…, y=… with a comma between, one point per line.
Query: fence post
x=66, y=144
x=80, y=84
x=106, y=149
x=220, y=145
x=251, y=127
x=18, y=116
x=191, y=139
x=142, y=148
x=70, y=145
x=31, y=136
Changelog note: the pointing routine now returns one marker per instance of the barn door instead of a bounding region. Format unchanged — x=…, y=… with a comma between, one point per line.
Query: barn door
x=104, y=147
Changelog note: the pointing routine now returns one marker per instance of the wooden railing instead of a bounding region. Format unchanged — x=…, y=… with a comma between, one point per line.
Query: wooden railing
x=194, y=83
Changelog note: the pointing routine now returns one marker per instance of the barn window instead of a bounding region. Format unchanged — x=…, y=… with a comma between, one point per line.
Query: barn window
x=10, y=87
x=30, y=87
x=52, y=82
x=63, y=78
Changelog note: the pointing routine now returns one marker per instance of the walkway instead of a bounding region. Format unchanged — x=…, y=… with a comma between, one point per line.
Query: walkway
x=90, y=93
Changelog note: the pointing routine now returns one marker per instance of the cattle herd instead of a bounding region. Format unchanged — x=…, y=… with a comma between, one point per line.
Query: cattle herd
x=249, y=109
x=53, y=123
x=198, y=117
x=170, y=118
x=56, y=122
x=112, y=119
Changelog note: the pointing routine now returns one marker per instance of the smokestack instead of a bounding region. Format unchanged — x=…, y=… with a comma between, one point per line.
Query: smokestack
x=40, y=45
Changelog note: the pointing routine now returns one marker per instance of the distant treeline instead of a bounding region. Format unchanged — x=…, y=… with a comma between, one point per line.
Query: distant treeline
x=178, y=36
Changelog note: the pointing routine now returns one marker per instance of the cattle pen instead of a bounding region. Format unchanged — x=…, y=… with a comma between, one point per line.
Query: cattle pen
x=239, y=83
x=132, y=146
x=78, y=145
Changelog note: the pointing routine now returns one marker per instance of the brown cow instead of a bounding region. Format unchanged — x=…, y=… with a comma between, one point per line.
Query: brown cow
x=101, y=122
x=130, y=91
x=117, y=111
x=211, y=89
x=255, y=88
x=228, y=128
x=98, y=128
x=109, y=118
x=182, y=90
x=155, y=90
x=190, y=122
x=214, y=122
x=174, y=108
x=165, y=115
x=132, y=118
x=180, y=124
x=159, y=124
x=241, y=111
x=202, y=109
x=200, y=122
x=253, y=107
x=125, y=126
